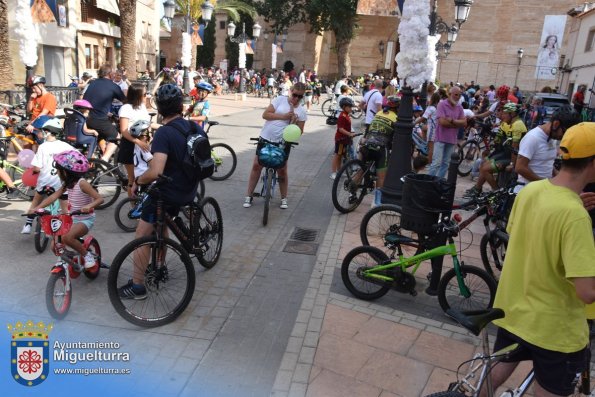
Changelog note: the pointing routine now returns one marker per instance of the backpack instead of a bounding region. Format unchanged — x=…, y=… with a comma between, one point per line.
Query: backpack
x=197, y=158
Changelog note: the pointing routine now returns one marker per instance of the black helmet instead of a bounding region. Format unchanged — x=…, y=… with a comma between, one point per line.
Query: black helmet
x=169, y=99
x=36, y=80
x=567, y=116
x=346, y=102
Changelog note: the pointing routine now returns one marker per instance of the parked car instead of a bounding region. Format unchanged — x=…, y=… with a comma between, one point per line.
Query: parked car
x=552, y=102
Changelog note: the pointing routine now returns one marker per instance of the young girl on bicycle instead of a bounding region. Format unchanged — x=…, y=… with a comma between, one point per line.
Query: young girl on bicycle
x=72, y=166
x=343, y=135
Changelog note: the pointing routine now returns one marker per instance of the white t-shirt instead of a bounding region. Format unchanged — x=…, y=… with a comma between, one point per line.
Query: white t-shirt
x=541, y=154
x=430, y=116
x=284, y=87
x=468, y=113
x=271, y=82
x=44, y=160
x=338, y=86
x=373, y=99
x=133, y=115
x=273, y=129
x=123, y=86
x=302, y=78
x=141, y=161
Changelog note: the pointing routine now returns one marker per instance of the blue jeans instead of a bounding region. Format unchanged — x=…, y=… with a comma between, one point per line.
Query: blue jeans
x=441, y=158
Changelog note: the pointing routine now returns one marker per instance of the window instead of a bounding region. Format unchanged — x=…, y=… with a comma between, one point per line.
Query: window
x=222, y=25
x=590, y=41
x=88, y=56
x=96, y=56
x=109, y=54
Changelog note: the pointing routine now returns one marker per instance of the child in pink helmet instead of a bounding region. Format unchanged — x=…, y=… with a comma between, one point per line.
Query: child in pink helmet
x=84, y=106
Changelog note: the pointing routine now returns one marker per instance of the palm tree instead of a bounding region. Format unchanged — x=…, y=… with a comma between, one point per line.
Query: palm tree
x=6, y=69
x=233, y=8
x=127, y=36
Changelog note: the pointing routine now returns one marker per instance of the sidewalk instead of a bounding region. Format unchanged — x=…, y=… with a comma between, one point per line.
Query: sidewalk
x=397, y=345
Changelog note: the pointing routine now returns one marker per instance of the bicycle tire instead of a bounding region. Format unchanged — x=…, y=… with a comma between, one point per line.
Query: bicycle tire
x=368, y=257
x=326, y=107
x=493, y=254
x=201, y=190
x=16, y=174
x=93, y=272
x=105, y=180
x=121, y=214
x=486, y=292
x=356, y=113
x=211, y=229
x=446, y=394
x=344, y=183
x=468, y=154
x=268, y=191
x=40, y=239
x=222, y=150
x=58, y=309
x=157, y=283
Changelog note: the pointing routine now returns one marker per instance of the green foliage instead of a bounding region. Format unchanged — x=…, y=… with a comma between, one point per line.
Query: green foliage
x=233, y=8
x=206, y=53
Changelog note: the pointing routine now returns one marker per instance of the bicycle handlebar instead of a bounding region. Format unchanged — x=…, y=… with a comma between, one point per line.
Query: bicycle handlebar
x=43, y=212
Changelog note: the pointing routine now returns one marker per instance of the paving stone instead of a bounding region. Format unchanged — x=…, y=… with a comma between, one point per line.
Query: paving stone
x=345, y=357
x=439, y=331
x=440, y=351
x=283, y=380
x=297, y=389
x=387, y=335
x=307, y=355
x=289, y=361
x=311, y=339
x=412, y=323
x=439, y=381
x=315, y=324
x=342, y=322
x=330, y=384
x=294, y=344
x=301, y=373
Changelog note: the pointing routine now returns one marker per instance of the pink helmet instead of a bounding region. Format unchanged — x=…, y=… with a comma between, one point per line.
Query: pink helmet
x=82, y=103
x=72, y=160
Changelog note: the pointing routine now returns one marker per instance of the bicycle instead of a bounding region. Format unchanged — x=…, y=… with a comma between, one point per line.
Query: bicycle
x=330, y=107
x=40, y=238
x=476, y=322
x=15, y=172
x=58, y=292
x=461, y=286
x=169, y=277
x=474, y=149
x=219, y=152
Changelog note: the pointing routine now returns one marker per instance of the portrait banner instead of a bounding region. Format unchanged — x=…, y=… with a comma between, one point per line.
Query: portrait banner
x=548, y=54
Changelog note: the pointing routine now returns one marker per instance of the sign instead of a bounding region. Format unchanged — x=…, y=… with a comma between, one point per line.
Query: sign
x=548, y=55
x=388, y=55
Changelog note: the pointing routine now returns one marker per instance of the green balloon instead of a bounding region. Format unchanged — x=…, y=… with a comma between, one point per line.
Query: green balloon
x=292, y=133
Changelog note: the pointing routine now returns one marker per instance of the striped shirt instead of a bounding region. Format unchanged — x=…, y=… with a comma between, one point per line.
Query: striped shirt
x=78, y=199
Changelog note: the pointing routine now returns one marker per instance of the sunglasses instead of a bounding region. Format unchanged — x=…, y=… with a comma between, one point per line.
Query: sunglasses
x=298, y=96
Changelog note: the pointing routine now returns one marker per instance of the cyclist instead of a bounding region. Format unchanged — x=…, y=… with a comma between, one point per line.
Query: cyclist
x=169, y=149
x=199, y=111
x=42, y=102
x=271, y=85
x=548, y=274
x=12, y=192
x=71, y=167
x=343, y=135
x=539, y=148
x=279, y=114
x=43, y=164
x=503, y=157
x=372, y=102
x=100, y=93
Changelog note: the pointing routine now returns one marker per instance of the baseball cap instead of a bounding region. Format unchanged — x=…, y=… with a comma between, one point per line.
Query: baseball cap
x=579, y=141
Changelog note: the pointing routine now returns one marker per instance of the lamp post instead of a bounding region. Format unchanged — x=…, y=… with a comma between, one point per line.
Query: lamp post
x=519, y=55
x=242, y=39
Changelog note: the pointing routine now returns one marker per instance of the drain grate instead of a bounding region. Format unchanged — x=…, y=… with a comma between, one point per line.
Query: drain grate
x=299, y=247
x=302, y=234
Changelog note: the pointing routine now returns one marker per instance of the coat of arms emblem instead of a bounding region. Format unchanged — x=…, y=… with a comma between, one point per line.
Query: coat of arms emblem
x=29, y=348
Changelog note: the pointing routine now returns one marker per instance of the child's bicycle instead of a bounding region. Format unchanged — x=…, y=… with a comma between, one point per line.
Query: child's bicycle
x=58, y=293
x=224, y=157
x=40, y=238
x=482, y=363
x=15, y=172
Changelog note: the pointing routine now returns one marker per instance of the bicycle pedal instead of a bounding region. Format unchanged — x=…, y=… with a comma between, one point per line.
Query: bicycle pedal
x=104, y=265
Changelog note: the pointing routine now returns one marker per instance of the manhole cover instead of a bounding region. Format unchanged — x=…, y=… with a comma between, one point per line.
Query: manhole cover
x=299, y=247
x=301, y=234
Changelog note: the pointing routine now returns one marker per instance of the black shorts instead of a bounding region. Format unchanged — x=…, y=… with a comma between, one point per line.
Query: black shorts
x=149, y=211
x=554, y=371
x=126, y=152
x=500, y=160
x=342, y=149
x=104, y=127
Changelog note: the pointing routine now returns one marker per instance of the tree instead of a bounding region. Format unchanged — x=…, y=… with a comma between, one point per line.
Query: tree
x=127, y=36
x=6, y=69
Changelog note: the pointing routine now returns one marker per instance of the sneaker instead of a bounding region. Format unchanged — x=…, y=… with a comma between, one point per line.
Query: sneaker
x=90, y=260
x=13, y=195
x=26, y=229
x=472, y=193
x=283, y=205
x=132, y=291
x=333, y=175
x=248, y=202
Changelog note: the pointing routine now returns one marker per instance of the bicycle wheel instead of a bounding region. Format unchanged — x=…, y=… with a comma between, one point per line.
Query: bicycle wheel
x=201, y=191
x=122, y=215
x=40, y=238
x=93, y=272
x=210, y=229
x=225, y=161
x=357, y=260
x=348, y=186
x=381, y=226
x=481, y=286
x=57, y=298
x=356, y=113
x=493, y=252
x=16, y=174
x=169, y=281
x=468, y=154
x=327, y=108
x=268, y=191
x=104, y=178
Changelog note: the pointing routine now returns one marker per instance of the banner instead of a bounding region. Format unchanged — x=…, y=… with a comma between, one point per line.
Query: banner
x=273, y=56
x=548, y=55
x=249, y=47
x=384, y=8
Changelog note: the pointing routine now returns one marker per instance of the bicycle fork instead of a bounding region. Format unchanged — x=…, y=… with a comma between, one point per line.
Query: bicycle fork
x=265, y=178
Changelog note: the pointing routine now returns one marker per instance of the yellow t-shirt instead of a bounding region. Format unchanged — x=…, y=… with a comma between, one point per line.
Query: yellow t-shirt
x=517, y=130
x=551, y=242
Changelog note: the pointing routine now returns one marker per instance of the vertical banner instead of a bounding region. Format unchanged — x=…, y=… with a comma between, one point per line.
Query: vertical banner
x=274, y=56
x=249, y=48
x=388, y=55
x=242, y=57
x=548, y=55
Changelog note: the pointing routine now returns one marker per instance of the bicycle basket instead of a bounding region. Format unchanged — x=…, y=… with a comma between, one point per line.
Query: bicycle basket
x=56, y=225
x=271, y=156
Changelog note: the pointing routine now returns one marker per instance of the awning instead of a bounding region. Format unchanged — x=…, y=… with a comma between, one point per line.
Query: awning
x=109, y=6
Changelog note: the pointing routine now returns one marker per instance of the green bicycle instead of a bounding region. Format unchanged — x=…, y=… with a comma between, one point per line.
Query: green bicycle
x=15, y=172
x=224, y=157
x=368, y=273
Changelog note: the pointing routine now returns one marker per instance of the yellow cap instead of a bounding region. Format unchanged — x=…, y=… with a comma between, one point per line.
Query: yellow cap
x=578, y=142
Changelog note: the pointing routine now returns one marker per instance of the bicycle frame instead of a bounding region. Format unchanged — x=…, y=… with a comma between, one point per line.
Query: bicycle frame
x=264, y=181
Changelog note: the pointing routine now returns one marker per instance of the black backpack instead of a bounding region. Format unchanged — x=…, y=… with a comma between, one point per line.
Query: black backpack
x=197, y=158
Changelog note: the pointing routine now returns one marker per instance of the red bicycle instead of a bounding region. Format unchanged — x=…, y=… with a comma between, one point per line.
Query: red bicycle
x=58, y=293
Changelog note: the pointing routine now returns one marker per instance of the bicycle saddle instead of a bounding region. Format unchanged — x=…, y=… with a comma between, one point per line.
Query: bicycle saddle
x=211, y=123
x=475, y=320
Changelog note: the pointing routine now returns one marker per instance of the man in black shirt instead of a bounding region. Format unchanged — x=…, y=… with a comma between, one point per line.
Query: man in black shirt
x=100, y=93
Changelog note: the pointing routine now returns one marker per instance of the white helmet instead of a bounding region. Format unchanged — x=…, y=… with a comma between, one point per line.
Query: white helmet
x=139, y=127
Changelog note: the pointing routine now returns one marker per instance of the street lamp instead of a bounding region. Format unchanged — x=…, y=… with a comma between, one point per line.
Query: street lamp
x=462, y=9
x=381, y=47
x=519, y=54
x=169, y=9
x=242, y=39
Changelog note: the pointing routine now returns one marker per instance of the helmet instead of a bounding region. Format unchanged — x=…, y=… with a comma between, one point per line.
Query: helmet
x=503, y=91
x=36, y=80
x=510, y=107
x=204, y=86
x=417, y=108
x=471, y=91
x=53, y=126
x=391, y=101
x=139, y=127
x=578, y=142
x=567, y=116
x=169, y=99
x=82, y=103
x=72, y=160
x=40, y=121
x=346, y=102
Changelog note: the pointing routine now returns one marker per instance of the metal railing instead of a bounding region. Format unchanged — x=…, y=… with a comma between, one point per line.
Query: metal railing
x=64, y=96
